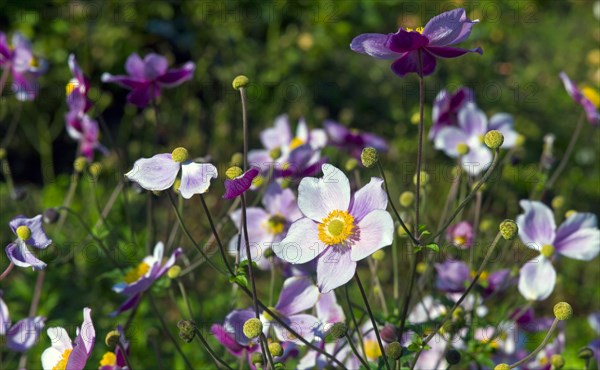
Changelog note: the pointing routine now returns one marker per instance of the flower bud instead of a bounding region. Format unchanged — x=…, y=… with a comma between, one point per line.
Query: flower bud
x=558, y=202
x=351, y=164
x=174, y=272
x=112, y=338
x=80, y=164
x=509, y=229
x=338, y=330
x=493, y=139
x=563, y=311
x=275, y=153
x=453, y=356
x=378, y=255
x=557, y=361
x=2, y=153
x=236, y=159
x=258, y=181
x=23, y=232
x=179, y=155
x=394, y=350
x=268, y=253
x=51, y=215
x=421, y=267
x=233, y=172
x=187, y=330
x=252, y=328
x=502, y=367
x=256, y=358
x=389, y=333
x=585, y=353
x=95, y=169
x=369, y=157
x=462, y=149
x=240, y=82
x=275, y=349
x=424, y=178
x=407, y=198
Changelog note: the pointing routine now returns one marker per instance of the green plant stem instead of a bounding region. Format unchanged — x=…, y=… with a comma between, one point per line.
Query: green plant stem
x=216, y=234
x=124, y=354
x=539, y=348
x=353, y=318
x=265, y=346
x=565, y=159
x=420, y=146
x=356, y=353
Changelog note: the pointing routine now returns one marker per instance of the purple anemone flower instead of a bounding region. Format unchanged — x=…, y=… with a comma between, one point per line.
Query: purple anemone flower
x=290, y=155
x=460, y=235
x=145, y=78
x=266, y=226
x=587, y=98
x=239, y=185
x=159, y=173
x=66, y=355
x=116, y=360
x=415, y=51
x=24, y=334
x=29, y=231
x=24, y=67
x=351, y=140
x=338, y=228
x=446, y=107
x=455, y=276
x=231, y=335
x=577, y=237
x=472, y=126
x=140, y=278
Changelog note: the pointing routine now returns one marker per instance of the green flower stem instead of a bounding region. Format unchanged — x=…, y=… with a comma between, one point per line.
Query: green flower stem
x=353, y=318
x=420, y=147
x=216, y=234
x=539, y=348
x=356, y=353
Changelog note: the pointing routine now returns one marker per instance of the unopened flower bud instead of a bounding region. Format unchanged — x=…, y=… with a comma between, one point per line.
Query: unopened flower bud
x=407, y=198
x=558, y=202
x=394, y=350
x=258, y=181
x=252, y=328
x=557, y=361
x=462, y=149
x=95, y=169
x=236, y=159
x=520, y=140
x=80, y=164
x=239, y=82
x=174, y=272
x=112, y=339
x=23, y=232
x=502, y=367
x=378, y=255
x=275, y=349
x=493, y=139
x=2, y=153
x=338, y=330
x=453, y=356
x=509, y=229
x=256, y=358
x=369, y=157
x=233, y=172
x=51, y=215
x=424, y=178
x=351, y=164
x=389, y=333
x=275, y=153
x=585, y=353
x=179, y=155
x=421, y=267
x=187, y=330
x=563, y=311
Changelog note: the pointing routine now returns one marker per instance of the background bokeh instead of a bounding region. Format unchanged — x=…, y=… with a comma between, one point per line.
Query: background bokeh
x=297, y=57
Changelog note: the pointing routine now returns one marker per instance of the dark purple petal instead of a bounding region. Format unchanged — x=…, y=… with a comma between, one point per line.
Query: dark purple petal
x=226, y=339
x=446, y=107
x=373, y=44
x=498, y=281
x=169, y=263
x=175, y=77
x=134, y=65
x=452, y=276
x=84, y=343
x=591, y=110
x=24, y=334
x=38, y=238
x=450, y=52
x=409, y=63
x=239, y=185
x=460, y=234
x=337, y=132
x=448, y=28
x=83, y=82
x=130, y=303
x=405, y=41
x=143, y=95
x=154, y=66
x=5, y=52
x=234, y=324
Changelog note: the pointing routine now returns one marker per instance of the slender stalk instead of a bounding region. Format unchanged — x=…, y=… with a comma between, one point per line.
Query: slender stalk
x=249, y=257
x=4, y=78
x=69, y=198
x=567, y=155
x=353, y=318
x=370, y=313
x=265, y=346
x=8, y=176
x=124, y=353
x=539, y=348
x=408, y=294
x=216, y=234
x=420, y=147
x=245, y=125
x=356, y=353
x=7, y=271
x=217, y=360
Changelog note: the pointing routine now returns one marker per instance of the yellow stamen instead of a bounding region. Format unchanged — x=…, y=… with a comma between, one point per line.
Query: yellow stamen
x=336, y=228
x=547, y=250
x=460, y=240
x=296, y=142
x=372, y=349
x=71, y=86
x=276, y=224
x=136, y=273
x=109, y=359
x=592, y=95
x=418, y=29
x=62, y=364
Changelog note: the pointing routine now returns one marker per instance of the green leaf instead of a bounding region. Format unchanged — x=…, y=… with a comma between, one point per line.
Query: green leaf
x=239, y=279
x=434, y=247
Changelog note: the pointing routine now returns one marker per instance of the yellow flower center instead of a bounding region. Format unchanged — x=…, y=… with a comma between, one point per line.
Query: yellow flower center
x=460, y=240
x=275, y=224
x=71, y=86
x=336, y=228
x=372, y=349
x=23, y=232
x=592, y=95
x=418, y=29
x=33, y=62
x=543, y=360
x=136, y=273
x=109, y=359
x=62, y=364
x=180, y=155
x=547, y=250
x=296, y=142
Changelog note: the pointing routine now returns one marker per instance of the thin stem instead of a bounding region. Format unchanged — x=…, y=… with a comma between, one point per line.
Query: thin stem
x=370, y=313
x=356, y=353
x=217, y=360
x=353, y=318
x=408, y=295
x=188, y=306
x=8, y=175
x=249, y=257
x=420, y=147
x=539, y=348
x=265, y=346
x=245, y=126
x=124, y=353
x=567, y=155
x=69, y=198
x=216, y=234
x=7, y=271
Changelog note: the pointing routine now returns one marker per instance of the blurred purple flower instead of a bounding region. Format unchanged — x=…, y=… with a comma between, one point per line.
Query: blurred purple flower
x=17, y=251
x=472, y=126
x=159, y=173
x=412, y=47
x=266, y=226
x=351, y=140
x=239, y=185
x=454, y=277
x=588, y=99
x=145, y=78
x=66, y=355
x=338, y=228
x=140, y=278
x=446, y=107
x=24, y=67
x=24, y=334
x=577, y=237
x=460, y=235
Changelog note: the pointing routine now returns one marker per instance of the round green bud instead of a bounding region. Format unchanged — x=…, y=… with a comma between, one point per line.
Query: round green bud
x=486, y=224
x=369, y=157
x=23, y=232
x=378, y=255
x=95, y=169
x=351, y=164
x=520, y=140
x=275, y=349
x=51, y=215
x=502, y=367
x=256, y=358
x=80, y=164
x=394, y=350
x=180, y=155
x=285, y=183
x=424, y=178
x=258, y=181
x=338, y=330
x=557, y=361
x=563, y=311
x=585, y=353
x=407, y=198
x=252, y=328
x=493, y=139
x=112, y=339
x=174, y=272
x=236, y=159
x=187, y=330
x=2, y=153
x=462, y=149
x=421, y=267
x=239, y=82
x=275, y=153
x=509, y=229
x=558, y=202
x=233, y=172
x=570, y=213
x=453, y=356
